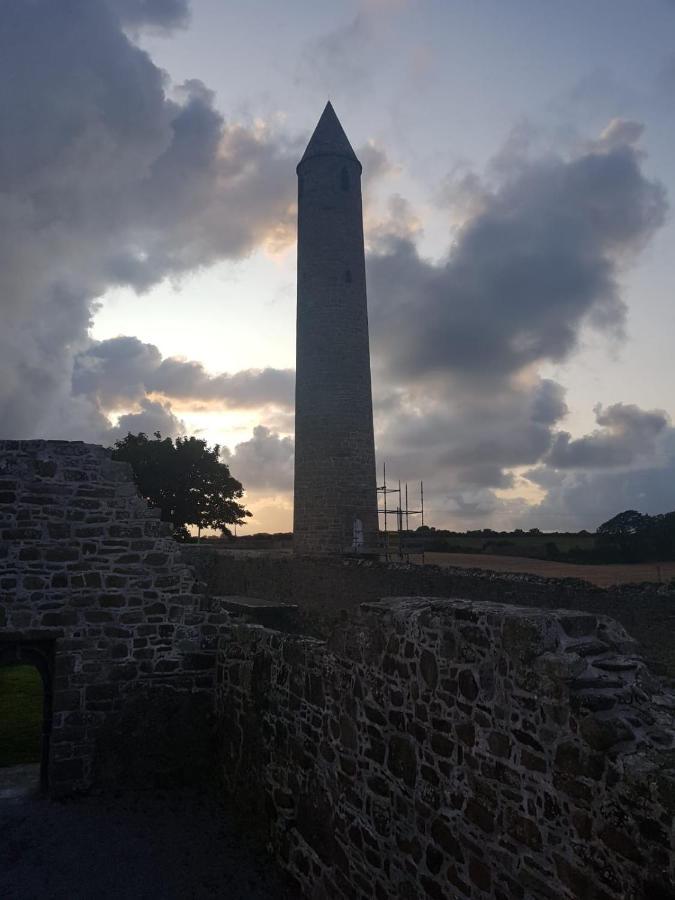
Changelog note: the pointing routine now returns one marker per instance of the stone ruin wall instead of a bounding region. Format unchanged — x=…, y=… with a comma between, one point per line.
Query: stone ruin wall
x=324, y=588
x=451, y=749
x=90, y=580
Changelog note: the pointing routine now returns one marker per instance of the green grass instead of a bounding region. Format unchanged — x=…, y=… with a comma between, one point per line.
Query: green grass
x=20, y=715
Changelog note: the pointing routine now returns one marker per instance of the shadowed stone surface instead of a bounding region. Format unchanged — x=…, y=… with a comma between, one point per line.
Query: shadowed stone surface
x=19, y=781
x=90, y=578
x=454, y=749
x=153, y=845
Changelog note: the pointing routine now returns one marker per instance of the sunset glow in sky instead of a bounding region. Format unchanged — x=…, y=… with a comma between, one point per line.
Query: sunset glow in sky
x=519, y=178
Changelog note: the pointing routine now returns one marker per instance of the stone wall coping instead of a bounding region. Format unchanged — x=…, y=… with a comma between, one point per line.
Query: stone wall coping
x=574, y=619
x=240, y=553
x=239, y=602
x=253, y=633
x=396, y=603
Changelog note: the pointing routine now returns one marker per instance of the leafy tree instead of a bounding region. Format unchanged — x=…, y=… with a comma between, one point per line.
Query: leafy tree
x=660, y=536
x=185, y=479
x=628, y=522
x=636, y=537
x=624, y=534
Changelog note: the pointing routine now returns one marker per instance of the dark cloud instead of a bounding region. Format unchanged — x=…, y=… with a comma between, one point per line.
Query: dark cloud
x=468, y=507
x=537, y=257
x=491, y=475
x=162, y=14
x=124, y=370
x=375, y=162
x=151, y=417
x=247, y=389
x=626, y=434
x=540, y=258
x=108, y=177
x=585, y=499
x=115, y=372
x=454, y=431
x=216, y=192
x=264, y=463
x=399, y=224
x=581, y=489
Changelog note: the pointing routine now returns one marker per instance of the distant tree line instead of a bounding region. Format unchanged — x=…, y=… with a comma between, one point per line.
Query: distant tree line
x=628, y=537
x=532, y=543
x=635, y=537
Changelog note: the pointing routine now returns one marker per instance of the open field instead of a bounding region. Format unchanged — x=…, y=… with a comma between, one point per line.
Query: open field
x=603, y=576
x=20, y=715
x=511, y=544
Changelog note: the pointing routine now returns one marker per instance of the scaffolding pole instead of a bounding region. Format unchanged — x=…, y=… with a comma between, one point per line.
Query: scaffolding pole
x=402, y=514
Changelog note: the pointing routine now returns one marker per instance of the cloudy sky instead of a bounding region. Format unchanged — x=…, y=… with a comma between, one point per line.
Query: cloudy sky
x=519, y=176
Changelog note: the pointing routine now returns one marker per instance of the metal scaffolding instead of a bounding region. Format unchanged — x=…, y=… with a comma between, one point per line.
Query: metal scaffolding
x=402, y=513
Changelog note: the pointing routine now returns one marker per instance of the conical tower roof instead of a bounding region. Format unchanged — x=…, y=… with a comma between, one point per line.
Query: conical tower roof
x=329, y=138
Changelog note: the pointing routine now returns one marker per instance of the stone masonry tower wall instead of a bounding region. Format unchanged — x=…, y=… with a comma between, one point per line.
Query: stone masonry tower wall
x=335, y=488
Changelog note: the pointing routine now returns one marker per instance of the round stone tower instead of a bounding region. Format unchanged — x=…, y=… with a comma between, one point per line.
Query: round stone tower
x=335, y=489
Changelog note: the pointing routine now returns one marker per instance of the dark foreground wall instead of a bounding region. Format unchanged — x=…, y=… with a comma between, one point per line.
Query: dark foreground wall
x=444, y=749
x=95, y=595
x=323, y=588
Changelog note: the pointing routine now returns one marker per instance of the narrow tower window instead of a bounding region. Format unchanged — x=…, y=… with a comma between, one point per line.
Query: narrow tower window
x=344, y=179
x=348, y=276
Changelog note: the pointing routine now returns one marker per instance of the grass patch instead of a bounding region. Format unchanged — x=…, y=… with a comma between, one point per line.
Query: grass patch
x=20, y=715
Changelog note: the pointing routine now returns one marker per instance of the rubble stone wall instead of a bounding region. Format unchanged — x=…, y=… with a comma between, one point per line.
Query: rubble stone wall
x=448, y=748
x=324, y=588
x=89, y=576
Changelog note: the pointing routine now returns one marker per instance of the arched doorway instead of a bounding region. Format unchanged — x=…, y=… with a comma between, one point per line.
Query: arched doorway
x=26, y=687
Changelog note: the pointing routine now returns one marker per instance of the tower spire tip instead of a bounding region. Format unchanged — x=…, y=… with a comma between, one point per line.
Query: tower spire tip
x=329, y=138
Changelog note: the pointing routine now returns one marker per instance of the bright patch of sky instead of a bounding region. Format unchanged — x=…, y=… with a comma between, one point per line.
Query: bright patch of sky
x=230, y=316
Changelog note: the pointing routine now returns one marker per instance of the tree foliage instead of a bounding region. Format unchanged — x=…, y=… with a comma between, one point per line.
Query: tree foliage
x=636, y=537
x=185, y=479
x=628, y=537
x=628, y=522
